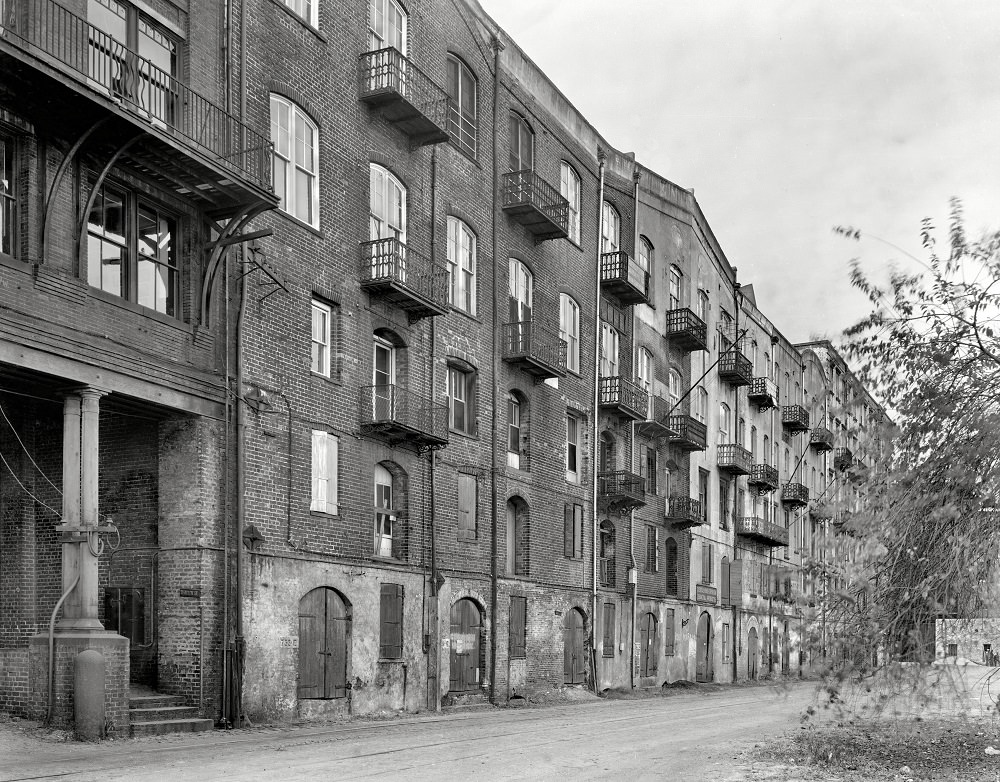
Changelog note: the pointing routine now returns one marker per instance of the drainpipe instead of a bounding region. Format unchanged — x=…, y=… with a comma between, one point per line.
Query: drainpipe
x=494, y=544
x=433, y=647
x=595, y=401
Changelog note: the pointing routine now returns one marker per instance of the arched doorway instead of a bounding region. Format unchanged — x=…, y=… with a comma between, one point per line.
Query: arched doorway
x=574, y=653
x=703, y=667
x=753, y=653
x=647, y=645
x=324, y=643
x=466, y=646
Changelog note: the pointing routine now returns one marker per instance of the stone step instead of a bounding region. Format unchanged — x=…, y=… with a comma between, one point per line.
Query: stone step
x=155, y=700
x=157, y=713
x=160, y=727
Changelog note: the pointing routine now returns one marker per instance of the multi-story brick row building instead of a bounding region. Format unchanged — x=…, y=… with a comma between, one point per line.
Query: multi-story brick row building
x=426, y=394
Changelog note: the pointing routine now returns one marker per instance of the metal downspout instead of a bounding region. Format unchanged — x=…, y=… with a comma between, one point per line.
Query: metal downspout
x=434, y=647
x=595, y=401
x=494, y=556
x=631, y=514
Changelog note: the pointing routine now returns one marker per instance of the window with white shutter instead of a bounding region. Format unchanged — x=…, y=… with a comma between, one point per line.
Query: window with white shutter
x=325, y=447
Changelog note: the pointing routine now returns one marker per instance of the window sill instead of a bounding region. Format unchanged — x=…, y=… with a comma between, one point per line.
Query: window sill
x=464, y=314
x=10, y=262
x=607, y=656
x=320, y=377
x=391, y=661
x=466, y=435
x=131, y=306
x=324, y=514
x=301, y=20
x=293, y=219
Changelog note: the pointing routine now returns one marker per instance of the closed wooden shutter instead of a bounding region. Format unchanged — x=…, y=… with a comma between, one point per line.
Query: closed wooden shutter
x=684, y=565
x=467, y=495
x=736, y=582
x=724, y=585
x=668, y=631
x=569, y=549
x=391, y=621
x=518, y=626
x=338, y=631
x=578, y=531
x=312, y=610
x=609, y=630
x=325, y=456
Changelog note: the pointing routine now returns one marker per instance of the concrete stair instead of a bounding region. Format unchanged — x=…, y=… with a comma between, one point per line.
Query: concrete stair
x=153, y=714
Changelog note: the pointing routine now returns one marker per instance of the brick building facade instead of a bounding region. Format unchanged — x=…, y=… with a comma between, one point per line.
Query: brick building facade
x=425, y=394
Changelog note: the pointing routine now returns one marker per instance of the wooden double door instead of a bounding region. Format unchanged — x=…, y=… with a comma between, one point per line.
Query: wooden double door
x=324, y=644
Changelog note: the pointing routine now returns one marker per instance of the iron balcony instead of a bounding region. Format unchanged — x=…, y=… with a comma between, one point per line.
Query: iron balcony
x=686, y=330
x=537, y=350
x=843, y=459
x=535, y=204
x=400, y=275
x=794, y=494
x=688, y=434
x=795, y=418
x=657, y=422
x=623, y=277
x=403, y=417
x=734, y=459
x=763, y=392
x=821, y=439
x=684, y=512
x=764, y=478
x=623, y=397
x=761, y=531
x=735, y=368
x=71, y=74
x=620, y=490
x=406, y=97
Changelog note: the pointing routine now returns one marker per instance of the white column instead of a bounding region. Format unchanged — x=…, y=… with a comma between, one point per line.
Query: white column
x=71, y=506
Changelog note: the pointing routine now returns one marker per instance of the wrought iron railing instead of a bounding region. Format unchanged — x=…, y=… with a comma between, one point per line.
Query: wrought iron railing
x=735, y=457
x=526, y=188
x=763, y=389
x=756, y=527
x=684, y=509
x=764, y=475
x=821, y=438
x=107, y=65
x=795, y=417
x=621, y=483
x=688, y=430
x=843, y=458
x=530, y=339
x=388, y=71
x=391, y=406
x=621, y=267
x=795, y=493
x=686, y=328
x=619, y=392
x=392, y=261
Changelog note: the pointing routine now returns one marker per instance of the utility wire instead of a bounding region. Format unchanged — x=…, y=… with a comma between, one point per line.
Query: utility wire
x=26, y=453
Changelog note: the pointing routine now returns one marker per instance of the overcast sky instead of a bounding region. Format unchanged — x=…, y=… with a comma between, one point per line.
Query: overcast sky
x=790, y=117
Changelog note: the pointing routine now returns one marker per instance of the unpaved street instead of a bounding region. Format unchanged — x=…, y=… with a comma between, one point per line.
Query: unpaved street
x=690, y=736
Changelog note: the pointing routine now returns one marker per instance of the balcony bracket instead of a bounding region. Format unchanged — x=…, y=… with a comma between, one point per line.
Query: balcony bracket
x=256, y=261
x=82, y=232
x=232, y=229
x=64, y=166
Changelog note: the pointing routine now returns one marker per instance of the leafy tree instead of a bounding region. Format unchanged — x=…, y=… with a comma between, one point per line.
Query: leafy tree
x=925, y=541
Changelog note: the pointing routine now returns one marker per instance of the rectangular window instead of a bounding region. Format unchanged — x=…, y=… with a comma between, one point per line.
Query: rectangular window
x=724, y=503
x=390, y=646
x=462, y=106
x=706, y=562
x=569, y=331
x=131, y=250
x=572, y=448
x=787, y=525
x=325, y=448
x=513, y=432
x=322, y=337
x=304, y=8
x=518, y=626
x=8, y=198
x=668, y=631
x=125, y=612
x=703, y=494
x=295, y=163
x=468, y=502
x=652, y=550
x=461, y=400
x=608, y=647
x=573, y=531
x=569, y=188
x=461, y=266
x=651, y=470
x=609, y=351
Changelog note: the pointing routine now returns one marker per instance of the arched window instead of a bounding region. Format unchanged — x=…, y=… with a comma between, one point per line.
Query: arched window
x=644, y=374
x=701, y=404
x=611, y=227
x=522, y=143
x=569, y=188
x=675, y=288
x=725, y=422
x=462, y=108
x=606, y=456
x=606, y=553
x=517, y=431
x=648, y=651
x=569, y=330
x=703, y=306
x=645, y=254
x=724, y=586
x=517, y=537
x=753, y=443
x=390, y=505
x=295, y=166
x=520, y=286
x=741, y=433
x=674, y=387
x=670, y=563
x=461, y=266
x=387, y=205
x=609, y=350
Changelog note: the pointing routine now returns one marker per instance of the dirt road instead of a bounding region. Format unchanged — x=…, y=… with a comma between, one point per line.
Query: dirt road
x=691, y=736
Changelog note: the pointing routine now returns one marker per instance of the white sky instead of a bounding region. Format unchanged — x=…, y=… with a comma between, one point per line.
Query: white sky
x=788, y=117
